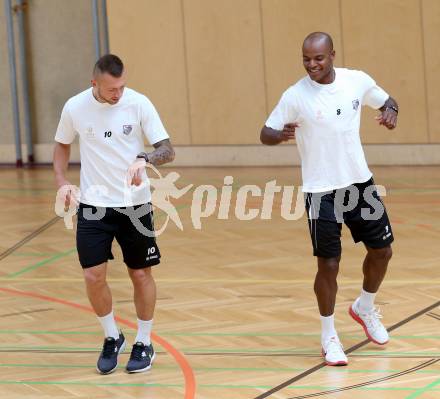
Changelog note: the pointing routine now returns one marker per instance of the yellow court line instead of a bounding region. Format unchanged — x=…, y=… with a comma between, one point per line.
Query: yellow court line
x=211, y=280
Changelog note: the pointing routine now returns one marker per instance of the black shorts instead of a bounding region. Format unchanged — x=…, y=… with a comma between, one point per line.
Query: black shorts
x=363, y=213
x=132, y=227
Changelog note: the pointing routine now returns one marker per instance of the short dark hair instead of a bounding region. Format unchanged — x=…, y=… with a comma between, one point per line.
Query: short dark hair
x=320, y=35
x=110, y=64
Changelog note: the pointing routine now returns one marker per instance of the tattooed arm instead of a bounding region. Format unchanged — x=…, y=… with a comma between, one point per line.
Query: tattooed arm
x=163, y=153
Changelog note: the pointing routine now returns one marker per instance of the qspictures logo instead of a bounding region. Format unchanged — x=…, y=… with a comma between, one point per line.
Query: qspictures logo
x=223, y=203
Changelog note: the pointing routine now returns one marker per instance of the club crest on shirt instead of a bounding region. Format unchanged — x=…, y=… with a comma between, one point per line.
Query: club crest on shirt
x=126, y=129
x=319, y=115
x=89, y=133
x=355, y=104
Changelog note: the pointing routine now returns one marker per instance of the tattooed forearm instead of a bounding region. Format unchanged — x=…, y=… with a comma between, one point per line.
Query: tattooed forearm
x=163, y=153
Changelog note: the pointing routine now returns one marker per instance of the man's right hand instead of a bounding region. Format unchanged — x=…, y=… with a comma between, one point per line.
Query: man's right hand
x=68, y=193
x=288, y=132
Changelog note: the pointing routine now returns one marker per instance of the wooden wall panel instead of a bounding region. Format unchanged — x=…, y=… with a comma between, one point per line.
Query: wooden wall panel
x=148, y=35
x=60, y=60
x=225, y=68
x=431, y=34
x=384, y=39
x=242, y=54
x=285, y=25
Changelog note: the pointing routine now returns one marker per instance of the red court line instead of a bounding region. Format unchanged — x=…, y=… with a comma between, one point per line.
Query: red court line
x=190, y=383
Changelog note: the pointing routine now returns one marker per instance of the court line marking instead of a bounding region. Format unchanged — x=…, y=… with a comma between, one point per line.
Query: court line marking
x=217, y=369
x=26, y=312
x=29, y=237
x=299, y=355
x=214, y=280
x=43, y=262
x=366, y=383
x=349, y=350
x=309, y=351
x=35, y=254
x=190, y=384
x=210, y=334
x=421, y=391
x=224, y=386
x=223, y=352
x=83, y=383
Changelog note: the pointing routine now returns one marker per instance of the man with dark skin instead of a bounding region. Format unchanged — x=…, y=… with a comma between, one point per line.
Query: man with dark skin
x=322, y=112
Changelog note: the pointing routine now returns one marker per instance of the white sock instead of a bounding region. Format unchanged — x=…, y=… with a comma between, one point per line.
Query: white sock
x=328, y=327
x=109, y=326
x=144, y=331
x=366, y=301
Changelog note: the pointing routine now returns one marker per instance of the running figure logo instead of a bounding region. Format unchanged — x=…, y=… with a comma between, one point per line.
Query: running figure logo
x=164, y=189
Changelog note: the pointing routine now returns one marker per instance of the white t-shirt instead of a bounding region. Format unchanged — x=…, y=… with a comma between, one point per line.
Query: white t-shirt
x=110, y=137
x=328, y=138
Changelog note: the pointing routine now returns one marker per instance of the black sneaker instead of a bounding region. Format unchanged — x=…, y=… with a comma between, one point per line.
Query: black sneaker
x=108, y=359
x=141, y=358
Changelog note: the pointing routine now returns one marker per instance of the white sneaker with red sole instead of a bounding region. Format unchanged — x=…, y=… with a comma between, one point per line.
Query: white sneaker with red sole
x=333, y=352
x=370, y=322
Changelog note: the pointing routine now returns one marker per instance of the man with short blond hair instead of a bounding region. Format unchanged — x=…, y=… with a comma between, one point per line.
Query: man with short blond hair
x=111, y=122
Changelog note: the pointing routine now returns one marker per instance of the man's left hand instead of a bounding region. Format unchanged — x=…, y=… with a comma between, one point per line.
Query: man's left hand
x=388, y=118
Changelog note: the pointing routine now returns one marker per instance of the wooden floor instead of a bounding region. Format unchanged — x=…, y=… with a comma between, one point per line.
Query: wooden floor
x=236, y=315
